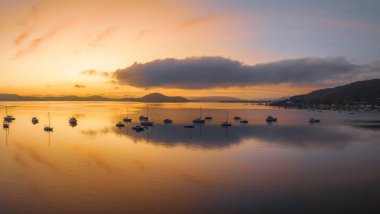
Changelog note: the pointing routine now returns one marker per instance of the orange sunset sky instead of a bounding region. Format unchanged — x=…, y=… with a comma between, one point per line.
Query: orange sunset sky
x=74, y=47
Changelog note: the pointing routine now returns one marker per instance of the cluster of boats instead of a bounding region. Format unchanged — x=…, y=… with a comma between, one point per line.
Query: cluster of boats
x=145, y=122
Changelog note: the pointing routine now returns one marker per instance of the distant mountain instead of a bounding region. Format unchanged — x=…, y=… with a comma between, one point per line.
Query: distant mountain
x=367, y=91
x=154, y=97
x=157, y=97
x=217, y=99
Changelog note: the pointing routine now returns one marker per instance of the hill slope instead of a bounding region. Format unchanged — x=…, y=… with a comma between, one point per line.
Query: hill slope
x=155, y=97
x=367, y=91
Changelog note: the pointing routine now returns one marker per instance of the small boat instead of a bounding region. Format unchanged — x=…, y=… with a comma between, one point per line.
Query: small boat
x=127, y=119
x=48, y=128
x=199, y=120
x=145, y=120
x=34, y=120
x=208, y=118
x=120, y=125
x=190, y=126
x=226, y=124
x=271, y=119
x=146, y=123
x=5, y=125
x=244, y=121
x=168, y=121
x=73, y=120
x=8, y=118
x=138, y=128
x=237, y=118
x=142, y=118
x=314, y=120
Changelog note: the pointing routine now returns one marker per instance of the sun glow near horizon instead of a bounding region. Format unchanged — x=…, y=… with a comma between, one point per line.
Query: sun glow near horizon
x=46, y=45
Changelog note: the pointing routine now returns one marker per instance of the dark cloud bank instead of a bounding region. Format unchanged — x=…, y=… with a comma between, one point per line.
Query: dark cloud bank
x=211, y=72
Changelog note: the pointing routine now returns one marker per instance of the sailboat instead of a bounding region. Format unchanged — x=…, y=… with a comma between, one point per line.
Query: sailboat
x=146, y=122
x=8, y=118
x=226, y=124
x=5, y=125
x=199, y=120
x=244, y=121
x=120, y=124
x=138, y=128
x=190, y=126
x=314, y=120
x=73, y=120
x=48, y=128
x=168, y=121
x=127, y=119
x=271, y=119
x=35, y=120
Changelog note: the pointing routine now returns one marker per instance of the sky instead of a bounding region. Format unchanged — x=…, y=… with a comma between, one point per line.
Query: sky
x=242, y=48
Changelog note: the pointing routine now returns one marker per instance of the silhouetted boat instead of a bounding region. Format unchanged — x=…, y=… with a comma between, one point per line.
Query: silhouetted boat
x=237, y=118
x=120, y=124
x=146, y=122
x=127, y=119
x=244, y=121
x=142, y=118
x=271, y=119
x=35, y=120
x=5, y=125
x=189, y=126
x=138, y=128
x=199, y=120
x=314, y=120
x=168, y=121
x=208, y=118
x=8, y=118
x=48, y=128
x=73, y=120
x=226, y=123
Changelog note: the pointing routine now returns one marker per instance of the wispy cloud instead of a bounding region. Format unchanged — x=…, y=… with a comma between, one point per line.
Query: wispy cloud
x=21, y=37
x=37, y=42
x=93, y=72
x=141, y=34
x=215, y=72
x=100, y=37
x=79, y=86
x=198, y=20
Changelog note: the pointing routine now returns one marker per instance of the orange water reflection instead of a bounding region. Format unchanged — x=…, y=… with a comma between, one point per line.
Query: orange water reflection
x=96, y=168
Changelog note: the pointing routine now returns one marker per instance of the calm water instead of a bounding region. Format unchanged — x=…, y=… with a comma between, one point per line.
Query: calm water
x=285, y=167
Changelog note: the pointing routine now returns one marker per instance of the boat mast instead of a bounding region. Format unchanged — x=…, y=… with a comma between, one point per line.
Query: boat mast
x=49, y=118
x=200, y=112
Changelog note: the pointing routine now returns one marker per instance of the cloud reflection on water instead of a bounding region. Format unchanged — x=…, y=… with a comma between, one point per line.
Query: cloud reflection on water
x=215, y=137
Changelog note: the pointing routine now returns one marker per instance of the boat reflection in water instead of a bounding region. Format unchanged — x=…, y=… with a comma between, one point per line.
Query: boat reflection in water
x=291, y=166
